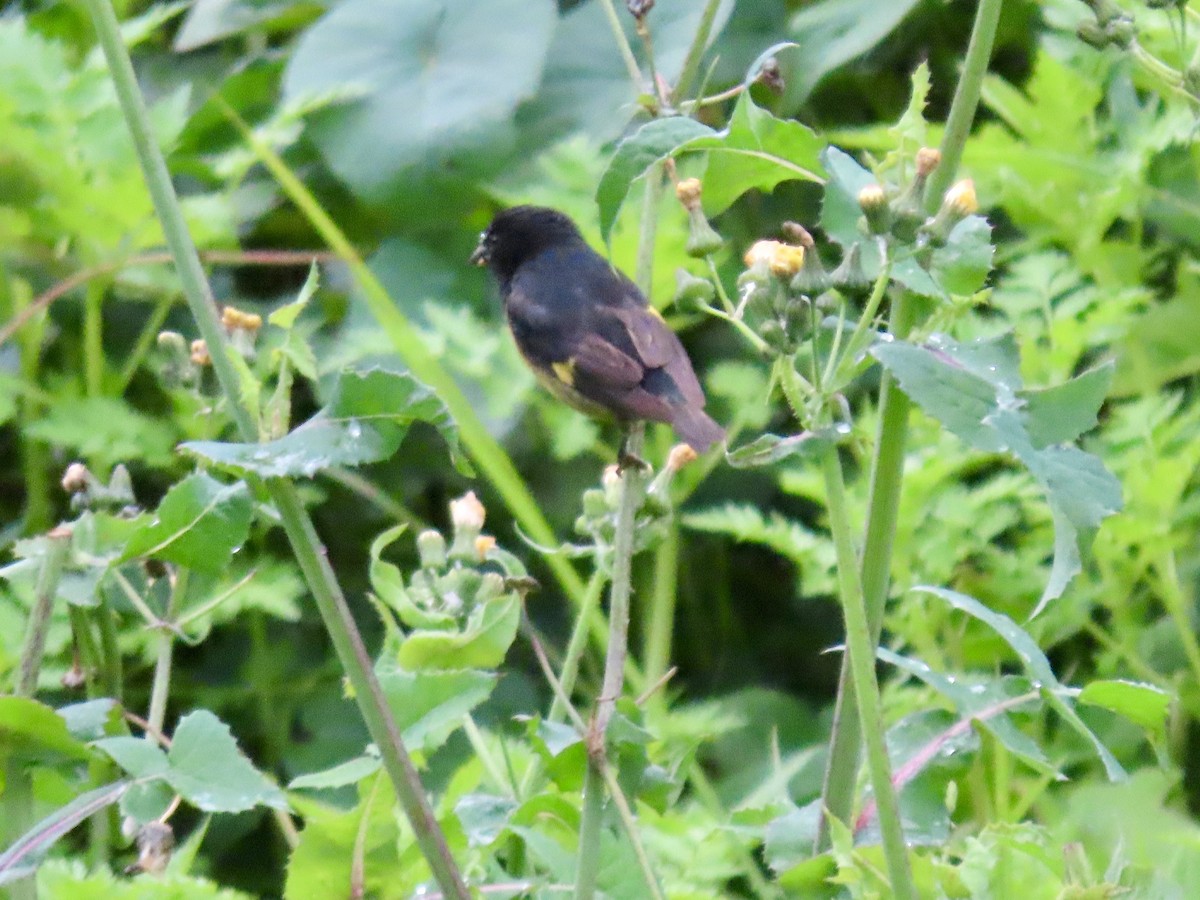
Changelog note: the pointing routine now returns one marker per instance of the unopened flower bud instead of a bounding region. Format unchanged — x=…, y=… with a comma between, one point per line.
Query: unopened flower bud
x=703, y=239
x=873, y=202
x=467, y=512
x=961, y=200
x=595, y=504
x=172, y=341
x=850, y=275
x=431, y=547
x=233, y=318
x=692, y=293
x=798, y=234
x=928, y=159
x=688, y=192
x=680, y=456
x=771, y=76
x=199, y=354
x=483, y=546
x=639, y=8
x=76, y=479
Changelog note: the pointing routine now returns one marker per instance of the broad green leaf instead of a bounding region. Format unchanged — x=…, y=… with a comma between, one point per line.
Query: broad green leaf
x=978, y=700
x=788, y=839
x=33, y=731
x=1066, y=411
x=137, y=756
x=1142, y=704
x=350, y=772
x=483, y=817
x=654, y=141
x=756, y=151
x=830, y=34
x=974, y=390
x=770, y=448
x=840, y=212
x=1036, y=664
x=482, y=644
x=89, y=719
x=285, y=317
x=1159, y=345
x=104, y=431
x=209, y=21
x=365, y=422
x=429, y=706
x=211, y=773
x=438, y=78
x=198, y=525
x=962, y=264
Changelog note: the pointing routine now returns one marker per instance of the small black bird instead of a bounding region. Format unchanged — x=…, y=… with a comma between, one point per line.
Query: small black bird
x=586, y=330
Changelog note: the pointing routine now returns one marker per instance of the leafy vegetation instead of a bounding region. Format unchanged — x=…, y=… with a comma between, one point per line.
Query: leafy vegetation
x=305, y=590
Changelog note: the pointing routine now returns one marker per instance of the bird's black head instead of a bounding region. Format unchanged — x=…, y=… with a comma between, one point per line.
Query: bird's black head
x=520, y=233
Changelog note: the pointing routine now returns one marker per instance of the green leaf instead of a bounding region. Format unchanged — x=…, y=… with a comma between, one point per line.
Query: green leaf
x=350, y=772
x=962, y=264
x=103, y=430
x=483, y=817
x=840, y=212
x=90, y=719
x=33, y=731
x=1159, y=345
x=137, y=756
x=198, y=525
x=1036, y=664
x=1060, y=414
x=651, y=143
x=1142, y=704
x=756, y=151
x=770, y=448
x=438, y=78
x=209, y=771
x=830, y=34
x=365, y=422
x=429, y=706
x=975, y=391
x=285, y=316
x=482, y=644
x=209, y=21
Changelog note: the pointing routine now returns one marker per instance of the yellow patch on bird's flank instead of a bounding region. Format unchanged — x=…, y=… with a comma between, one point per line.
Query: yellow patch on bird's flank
x=564, y=371
x=654, y=312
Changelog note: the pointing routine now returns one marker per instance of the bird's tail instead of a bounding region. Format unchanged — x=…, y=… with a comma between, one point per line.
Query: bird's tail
x=696, y=427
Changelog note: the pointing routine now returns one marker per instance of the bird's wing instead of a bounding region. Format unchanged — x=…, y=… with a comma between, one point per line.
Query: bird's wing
x=605, y=363
x=657, y=347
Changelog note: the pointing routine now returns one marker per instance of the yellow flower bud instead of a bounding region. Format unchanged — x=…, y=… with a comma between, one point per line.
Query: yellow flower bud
x=961, y=198
x=233, y=318
x=680, y=456
x=928, y=159
x=200, y=353
x=688, y=192
x=787, y=261
x=483, y=545
x=467, y=512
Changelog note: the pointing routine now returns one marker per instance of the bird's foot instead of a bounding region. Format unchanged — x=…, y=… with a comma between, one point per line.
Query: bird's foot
x=627, y=460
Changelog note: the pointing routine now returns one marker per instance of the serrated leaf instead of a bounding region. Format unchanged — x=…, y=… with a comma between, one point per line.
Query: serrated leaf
x=137, y=756
x=651, y=143
x=483, y=817
x=975, y=391
x=209, y=771
x=770, y=448
x=285, y=317
x=1036, y=664
x=755, y=151
x=482, y=644
x=89, y=719
x=1059, y=414
x=429, y=706
x=365, y=422
x=198, y=525
x=840, y=212
x=1142, y=704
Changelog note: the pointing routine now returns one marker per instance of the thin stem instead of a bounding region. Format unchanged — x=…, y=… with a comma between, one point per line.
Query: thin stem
x=717, y=283
x=93, y=339
x=59, y=542
x=861, y=651
x=614, y=669
x=157, y=712
x=299, y=528
x=577, y=643
x=691, y=63
x=858, y=338
x=966, y=101
x=651, y=200
x=145, y=340
x=1177, y=606
x=111, y=669
x=622, y=42
x=656, y=649
x=887, y=469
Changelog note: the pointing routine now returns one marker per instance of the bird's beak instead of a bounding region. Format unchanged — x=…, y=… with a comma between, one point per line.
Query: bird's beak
x=479, y=257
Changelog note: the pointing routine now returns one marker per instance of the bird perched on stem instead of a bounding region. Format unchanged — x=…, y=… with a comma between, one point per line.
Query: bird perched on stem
x=586, y=330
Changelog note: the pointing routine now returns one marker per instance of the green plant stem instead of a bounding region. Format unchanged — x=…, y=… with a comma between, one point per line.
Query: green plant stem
x=1171, y=593
x=577, y=643
x=691, y=63
x=15, y=301
x=860, y=649
x=93, y=339
x=161, y=686
x=59, y=541
x=306, y=546
x=966, y=101
x=614, y=670
x=887, y=468
x=622, y=42
x=484, y=450
x=883, y=510
x=660, y=622
x=651, y=200
x=145, y=340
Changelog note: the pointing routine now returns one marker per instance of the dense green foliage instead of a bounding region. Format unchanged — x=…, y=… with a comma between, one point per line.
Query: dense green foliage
x=1022, y=369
